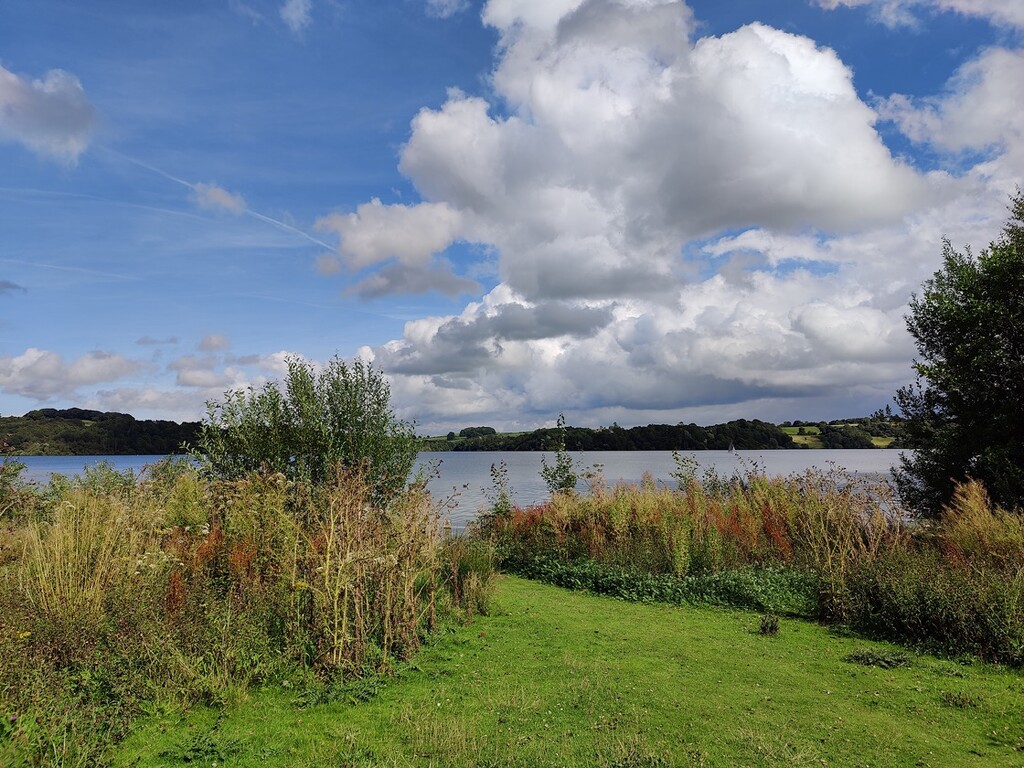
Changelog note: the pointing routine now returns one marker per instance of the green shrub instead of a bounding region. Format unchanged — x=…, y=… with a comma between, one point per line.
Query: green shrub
x=917, y=598
x=781, y=591
x=308, y=426
x=561, y=476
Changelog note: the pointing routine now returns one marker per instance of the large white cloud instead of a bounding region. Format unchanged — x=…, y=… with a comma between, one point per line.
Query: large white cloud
x=50, y=115
x=624, y=141
x=681, y=224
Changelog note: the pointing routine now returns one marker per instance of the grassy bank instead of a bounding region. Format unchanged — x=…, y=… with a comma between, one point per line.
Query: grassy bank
x=118, y=597
x=816, y=544
x=561, y=678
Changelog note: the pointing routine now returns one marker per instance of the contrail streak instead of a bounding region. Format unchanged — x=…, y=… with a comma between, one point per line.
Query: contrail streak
x=288, y=228
x=61, y=268
x=194, y=187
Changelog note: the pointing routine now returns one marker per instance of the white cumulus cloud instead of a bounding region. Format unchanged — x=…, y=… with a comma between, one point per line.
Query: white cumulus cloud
x=378, y=232
x=51, y=115
x=684, y=225
x=979, y=109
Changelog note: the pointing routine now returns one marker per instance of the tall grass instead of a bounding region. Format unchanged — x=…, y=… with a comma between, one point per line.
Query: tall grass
x=72, y=562
x=957, y=587
x=818, y=521
x=179, y=590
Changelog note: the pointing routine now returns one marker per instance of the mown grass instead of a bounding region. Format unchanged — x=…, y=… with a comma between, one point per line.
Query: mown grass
x=552, y=677
x=809, y=441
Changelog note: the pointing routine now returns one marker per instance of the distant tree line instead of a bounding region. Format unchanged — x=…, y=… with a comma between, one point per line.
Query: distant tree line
x=740, y=434
x=82, y=432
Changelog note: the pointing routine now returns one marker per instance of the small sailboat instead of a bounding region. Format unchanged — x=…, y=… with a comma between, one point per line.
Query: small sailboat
x=732, y=448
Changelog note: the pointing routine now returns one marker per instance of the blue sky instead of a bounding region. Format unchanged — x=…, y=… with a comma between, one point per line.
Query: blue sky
x=625, y=210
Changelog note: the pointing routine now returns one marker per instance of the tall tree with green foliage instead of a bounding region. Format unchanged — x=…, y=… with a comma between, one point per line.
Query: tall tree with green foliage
x=308, y=424
x=963, y=414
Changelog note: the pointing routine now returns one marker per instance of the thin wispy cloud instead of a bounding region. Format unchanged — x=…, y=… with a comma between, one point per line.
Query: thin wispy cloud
x=297, y=14
x=446, y=8
x=150, y=341
x=907, y=12
x=214, y=197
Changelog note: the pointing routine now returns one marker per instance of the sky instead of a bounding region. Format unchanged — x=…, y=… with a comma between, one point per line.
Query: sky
x=626, y=211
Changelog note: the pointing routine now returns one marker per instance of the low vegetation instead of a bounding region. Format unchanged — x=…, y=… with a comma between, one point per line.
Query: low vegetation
x=117, y=596
x=818, y=545
x=556, y=678
x=193, y=604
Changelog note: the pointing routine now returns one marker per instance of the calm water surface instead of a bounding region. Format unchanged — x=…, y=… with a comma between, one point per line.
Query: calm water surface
x=463, y=479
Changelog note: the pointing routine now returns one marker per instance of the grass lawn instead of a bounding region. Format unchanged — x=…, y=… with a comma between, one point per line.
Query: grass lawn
x=811, y=441
x=557, y=678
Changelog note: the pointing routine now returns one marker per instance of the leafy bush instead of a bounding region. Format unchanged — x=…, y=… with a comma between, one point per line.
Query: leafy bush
x=962, y=415
x=308, y=426
x=918, y=598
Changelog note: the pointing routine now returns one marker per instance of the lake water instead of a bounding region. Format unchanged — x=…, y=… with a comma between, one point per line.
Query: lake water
x=463, y=478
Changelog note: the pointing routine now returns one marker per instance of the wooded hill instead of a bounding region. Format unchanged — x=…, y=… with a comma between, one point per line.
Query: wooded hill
x=880, y=430
x=81, y=432
x=740, y=434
